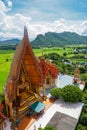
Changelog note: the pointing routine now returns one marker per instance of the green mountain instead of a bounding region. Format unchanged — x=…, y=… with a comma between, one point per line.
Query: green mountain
x=52, y=39
x=9, y=44
x=11, y=41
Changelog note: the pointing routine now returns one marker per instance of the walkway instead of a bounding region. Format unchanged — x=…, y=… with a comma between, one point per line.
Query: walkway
x=26, y=122
x=62, y=121
x=64, y=80
x=70, y=109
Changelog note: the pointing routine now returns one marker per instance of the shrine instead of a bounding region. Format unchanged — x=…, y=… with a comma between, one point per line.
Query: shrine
x=50, y=72
x=28, y=76
x=24, y=81
x=76, y=79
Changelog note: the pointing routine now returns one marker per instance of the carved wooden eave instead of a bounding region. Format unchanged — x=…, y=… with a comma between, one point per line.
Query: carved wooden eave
x=24, y=56
x=48, y=68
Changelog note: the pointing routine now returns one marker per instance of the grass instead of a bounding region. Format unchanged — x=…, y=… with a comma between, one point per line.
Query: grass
x=59, y=50
x=6, y=57
x=4, y=66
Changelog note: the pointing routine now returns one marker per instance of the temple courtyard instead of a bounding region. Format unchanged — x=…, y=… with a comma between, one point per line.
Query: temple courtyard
x=70, y=110
x=62, y=115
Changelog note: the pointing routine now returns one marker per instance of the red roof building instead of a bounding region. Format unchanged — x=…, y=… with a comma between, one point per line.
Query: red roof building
x=49, y=71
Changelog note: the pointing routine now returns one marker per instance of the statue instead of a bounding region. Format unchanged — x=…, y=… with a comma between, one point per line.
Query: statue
x=23, y=88
x=24, y=93
x=77, y=79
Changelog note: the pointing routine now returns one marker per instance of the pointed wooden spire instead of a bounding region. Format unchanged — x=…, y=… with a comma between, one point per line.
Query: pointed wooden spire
x=25, y=32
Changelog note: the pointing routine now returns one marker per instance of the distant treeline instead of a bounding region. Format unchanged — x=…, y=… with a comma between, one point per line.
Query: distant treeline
x=8, y=47
x=50, y=39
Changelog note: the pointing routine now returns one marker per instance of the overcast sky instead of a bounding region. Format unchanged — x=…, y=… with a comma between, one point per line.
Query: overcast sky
x=41, y=16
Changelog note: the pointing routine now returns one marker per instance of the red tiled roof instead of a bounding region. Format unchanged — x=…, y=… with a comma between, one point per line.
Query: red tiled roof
x=48, y=67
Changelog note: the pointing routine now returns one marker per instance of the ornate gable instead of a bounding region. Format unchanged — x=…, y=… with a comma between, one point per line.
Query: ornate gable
x=23, y=59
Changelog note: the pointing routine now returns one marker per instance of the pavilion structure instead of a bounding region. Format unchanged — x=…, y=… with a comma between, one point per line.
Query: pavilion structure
x=77, y=79
x=24, y=81
x=50, y=72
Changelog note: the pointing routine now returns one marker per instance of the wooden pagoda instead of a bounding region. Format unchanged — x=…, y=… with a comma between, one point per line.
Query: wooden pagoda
x=24, y=81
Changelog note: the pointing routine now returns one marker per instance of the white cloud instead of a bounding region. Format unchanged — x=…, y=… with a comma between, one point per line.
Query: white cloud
x=57, y=26
x=2, y=16
x=5, y=8
x=9, y=4
x=12, y=26
x=2, y=7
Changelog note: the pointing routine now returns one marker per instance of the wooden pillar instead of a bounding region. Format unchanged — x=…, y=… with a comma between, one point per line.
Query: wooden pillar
x=43, y=89
x=53, y=82
x=7, y=111
x=7, y=105
x=3, y=126
x=38, y=90
x=11, y=110
x=50, y=83
x=44, y=92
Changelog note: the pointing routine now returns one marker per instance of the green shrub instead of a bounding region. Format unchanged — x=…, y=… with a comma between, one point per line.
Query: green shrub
x=64, y=54
x=1, y=97
x=81, y=127
x=71, y=93
x=86, y=84
x=55, y=92
x=83, y=119
x=40, y=129
x=85, y=108
x=84, y=97
x=68, y=93
x=47, y=128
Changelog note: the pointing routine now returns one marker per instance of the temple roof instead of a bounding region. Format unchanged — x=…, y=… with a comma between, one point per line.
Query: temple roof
x=48, y=67
x=37, y=107
x=25, y=56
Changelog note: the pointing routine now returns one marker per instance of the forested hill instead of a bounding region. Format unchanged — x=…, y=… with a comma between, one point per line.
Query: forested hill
x=11, y=41
x=52, y=39
x=9, y=44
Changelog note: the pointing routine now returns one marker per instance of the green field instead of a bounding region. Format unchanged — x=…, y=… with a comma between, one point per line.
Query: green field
x=7, y=56
x=59, y=50
x=5, y=61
